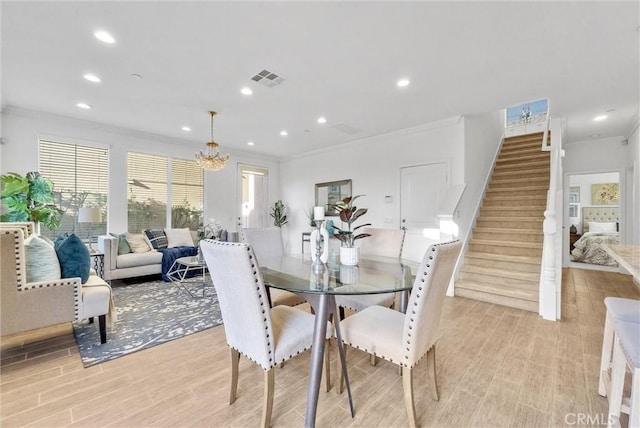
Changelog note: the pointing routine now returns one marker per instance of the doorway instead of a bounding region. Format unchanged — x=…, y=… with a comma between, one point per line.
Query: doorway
x=593, y=216
x=253, y=196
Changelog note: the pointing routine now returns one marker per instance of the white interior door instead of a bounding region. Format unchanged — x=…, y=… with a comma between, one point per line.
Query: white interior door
x=422, y=188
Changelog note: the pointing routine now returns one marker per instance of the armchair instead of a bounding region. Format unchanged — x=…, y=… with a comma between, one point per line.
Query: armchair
x=30, y=305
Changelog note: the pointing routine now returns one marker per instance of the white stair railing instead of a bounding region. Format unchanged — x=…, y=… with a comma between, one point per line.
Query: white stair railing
x=551, y=269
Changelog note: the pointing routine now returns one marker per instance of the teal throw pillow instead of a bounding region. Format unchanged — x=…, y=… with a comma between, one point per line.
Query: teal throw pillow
x=123, y=245
x=74, y=258
x=41, y=261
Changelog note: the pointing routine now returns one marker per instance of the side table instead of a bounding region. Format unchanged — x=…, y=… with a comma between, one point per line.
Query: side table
x=184, y=268
x=97, y=264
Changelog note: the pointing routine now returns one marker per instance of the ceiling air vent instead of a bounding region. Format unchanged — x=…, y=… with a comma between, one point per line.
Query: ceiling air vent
x=346, y=128
x=267, y=78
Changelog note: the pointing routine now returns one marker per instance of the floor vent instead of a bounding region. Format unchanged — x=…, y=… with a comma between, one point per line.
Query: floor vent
x=268, y=78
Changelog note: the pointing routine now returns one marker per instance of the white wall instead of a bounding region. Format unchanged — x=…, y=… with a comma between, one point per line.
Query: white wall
x=23, y=128
x=633, y=172
x=374, y=166
x=483, y=134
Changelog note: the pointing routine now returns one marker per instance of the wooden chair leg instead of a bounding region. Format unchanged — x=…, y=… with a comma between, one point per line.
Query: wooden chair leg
x=269, y=376
x=339, y=368
x=605, y=359
x=407, y=382
x=431, y=363
x=327, y=365
x=235, y=360
x=102, y=325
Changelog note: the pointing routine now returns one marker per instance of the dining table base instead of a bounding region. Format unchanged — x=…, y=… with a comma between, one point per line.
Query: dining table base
x=325, y=309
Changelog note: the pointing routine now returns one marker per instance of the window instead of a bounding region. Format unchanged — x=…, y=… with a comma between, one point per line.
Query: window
x=254, y=196
x=162, y=188
x=80, y=175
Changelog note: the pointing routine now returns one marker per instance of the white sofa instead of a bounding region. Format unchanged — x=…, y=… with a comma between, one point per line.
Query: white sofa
x=127, y=265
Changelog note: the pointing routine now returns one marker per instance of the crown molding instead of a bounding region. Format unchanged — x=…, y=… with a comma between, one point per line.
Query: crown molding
x=17, y=111
x=455, y=120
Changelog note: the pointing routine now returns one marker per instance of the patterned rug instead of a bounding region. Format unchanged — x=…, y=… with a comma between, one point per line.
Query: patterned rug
x=149, y=313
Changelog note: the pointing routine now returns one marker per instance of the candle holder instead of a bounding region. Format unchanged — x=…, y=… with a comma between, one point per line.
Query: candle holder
x=318, y=265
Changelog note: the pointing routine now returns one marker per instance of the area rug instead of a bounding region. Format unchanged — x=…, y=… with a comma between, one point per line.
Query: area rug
x=149, y=313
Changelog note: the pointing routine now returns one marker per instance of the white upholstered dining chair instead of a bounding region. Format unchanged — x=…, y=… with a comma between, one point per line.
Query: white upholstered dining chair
x=266, y=336
x=404, y=339
x=381, y=243
x=268, y=243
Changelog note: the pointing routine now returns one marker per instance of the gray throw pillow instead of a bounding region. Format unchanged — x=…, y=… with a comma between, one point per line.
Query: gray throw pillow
x=41, y=260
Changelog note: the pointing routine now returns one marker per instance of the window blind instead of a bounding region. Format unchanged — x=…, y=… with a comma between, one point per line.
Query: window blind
x=80, y=175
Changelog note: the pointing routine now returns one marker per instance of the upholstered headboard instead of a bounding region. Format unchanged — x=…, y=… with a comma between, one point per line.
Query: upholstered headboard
x=603, y=214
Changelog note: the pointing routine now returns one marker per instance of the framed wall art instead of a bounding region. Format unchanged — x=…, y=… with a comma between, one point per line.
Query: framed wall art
x=330, y=193
x=605, y=194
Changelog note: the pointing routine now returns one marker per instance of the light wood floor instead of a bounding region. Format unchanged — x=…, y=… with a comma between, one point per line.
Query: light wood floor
x=496, y=367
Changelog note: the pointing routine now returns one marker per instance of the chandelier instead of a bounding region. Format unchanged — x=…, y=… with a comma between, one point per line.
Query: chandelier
x=211, y=159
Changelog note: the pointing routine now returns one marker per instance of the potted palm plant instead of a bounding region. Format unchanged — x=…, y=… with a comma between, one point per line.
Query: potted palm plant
x=349, y=213
x=279, y=214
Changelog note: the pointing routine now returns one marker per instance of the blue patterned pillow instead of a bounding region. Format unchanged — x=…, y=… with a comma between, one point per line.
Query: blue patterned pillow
x=74, y=257
x=157, y=238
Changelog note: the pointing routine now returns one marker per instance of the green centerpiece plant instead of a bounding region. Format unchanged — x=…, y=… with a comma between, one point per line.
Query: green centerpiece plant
x=348, y=214
x=29, y=198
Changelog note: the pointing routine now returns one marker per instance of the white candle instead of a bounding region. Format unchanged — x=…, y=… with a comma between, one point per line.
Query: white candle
x=318, y=213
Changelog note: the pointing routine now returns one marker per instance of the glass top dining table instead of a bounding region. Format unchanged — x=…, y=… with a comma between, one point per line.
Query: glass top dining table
x=374, y=275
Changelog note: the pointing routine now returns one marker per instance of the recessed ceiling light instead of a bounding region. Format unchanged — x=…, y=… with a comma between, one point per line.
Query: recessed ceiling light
x=246, y=91
x=83, y=105
x=250, y=143
x=92, y=78
x=403, y=82
x=284, y=133
x=186, y=129
x=103, y=36
x=322, y=119
x=600, y=117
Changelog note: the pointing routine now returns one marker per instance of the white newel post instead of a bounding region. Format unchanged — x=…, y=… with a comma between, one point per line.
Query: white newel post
x=547, y=304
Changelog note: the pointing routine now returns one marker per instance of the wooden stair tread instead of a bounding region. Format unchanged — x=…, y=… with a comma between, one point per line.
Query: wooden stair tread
x=517, y=303
x=523, y=231
x=499, y=289
x=511, y=208
x=532, y=245
x=504, y=257
x=502, y=273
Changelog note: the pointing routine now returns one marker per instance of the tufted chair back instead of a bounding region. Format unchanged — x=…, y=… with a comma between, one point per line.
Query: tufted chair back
x=382, y=242
x=243, y=299
x=425, y=303
x=27, y=306
x=265, y=242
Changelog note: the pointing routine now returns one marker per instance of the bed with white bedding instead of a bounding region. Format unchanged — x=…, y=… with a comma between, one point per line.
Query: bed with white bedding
x=600, y=227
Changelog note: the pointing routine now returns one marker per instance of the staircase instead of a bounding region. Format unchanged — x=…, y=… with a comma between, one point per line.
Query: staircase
x=502, y=263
